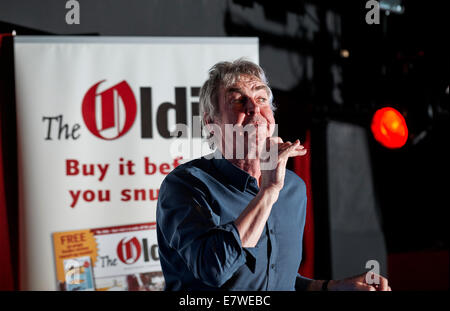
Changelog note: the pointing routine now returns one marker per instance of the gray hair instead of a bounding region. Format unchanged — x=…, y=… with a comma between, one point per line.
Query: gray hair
x=226, y=74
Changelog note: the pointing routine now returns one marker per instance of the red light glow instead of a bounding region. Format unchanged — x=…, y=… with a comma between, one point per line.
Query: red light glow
x=389, y=128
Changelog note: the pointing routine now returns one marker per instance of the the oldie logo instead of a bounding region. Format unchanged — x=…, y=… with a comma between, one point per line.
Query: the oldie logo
x=129, y=251
x=109, y=116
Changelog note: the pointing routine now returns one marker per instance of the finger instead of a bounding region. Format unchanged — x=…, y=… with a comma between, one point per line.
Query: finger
x=280, y=141
x=276, y=140
x=298, y=144
x=362, y=277
x=368, y=277
x=298, y=152
x=288, y=149
x=364, y=287
x=284, y=146
x=383, y=283
x=292, y=151
x=389, y=289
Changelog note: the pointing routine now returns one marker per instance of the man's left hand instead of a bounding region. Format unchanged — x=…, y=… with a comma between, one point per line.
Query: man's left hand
x=360, y=283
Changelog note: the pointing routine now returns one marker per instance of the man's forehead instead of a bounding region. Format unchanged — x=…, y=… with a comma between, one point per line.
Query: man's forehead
x=251, y=82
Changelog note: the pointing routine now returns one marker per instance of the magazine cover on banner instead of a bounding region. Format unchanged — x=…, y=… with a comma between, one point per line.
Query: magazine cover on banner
x=114, y=258
x=96, y=118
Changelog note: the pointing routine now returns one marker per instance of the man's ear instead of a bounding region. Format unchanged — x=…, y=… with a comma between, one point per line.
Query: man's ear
x=208, y=121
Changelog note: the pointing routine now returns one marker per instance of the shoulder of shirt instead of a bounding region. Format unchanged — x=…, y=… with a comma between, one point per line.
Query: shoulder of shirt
x=193, y=168
x=292, y=177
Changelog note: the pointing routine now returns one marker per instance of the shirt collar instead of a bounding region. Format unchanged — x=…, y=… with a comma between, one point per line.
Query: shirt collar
x=237, y=177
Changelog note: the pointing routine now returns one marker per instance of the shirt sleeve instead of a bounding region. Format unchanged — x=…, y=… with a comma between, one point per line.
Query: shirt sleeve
x=211, y=251
x=301, y=282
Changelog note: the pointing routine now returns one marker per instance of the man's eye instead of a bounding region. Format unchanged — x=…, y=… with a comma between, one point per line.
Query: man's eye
x=262, y=100
x=237, y=101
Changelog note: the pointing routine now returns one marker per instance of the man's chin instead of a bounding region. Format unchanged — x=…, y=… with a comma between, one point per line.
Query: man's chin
x=255, y=150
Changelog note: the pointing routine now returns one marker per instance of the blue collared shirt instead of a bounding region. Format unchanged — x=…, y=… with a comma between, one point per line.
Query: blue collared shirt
x=199, y=245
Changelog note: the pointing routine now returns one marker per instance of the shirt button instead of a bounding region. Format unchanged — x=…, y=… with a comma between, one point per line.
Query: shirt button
x=271, y=231
x=272, y=266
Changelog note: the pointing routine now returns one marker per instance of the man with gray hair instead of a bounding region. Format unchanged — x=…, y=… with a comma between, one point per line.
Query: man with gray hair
x=234, y=220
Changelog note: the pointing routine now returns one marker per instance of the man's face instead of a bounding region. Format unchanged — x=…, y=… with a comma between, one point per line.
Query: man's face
x=245, y=105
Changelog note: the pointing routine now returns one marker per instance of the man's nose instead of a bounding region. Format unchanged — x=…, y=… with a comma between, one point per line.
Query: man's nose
x=251, y=107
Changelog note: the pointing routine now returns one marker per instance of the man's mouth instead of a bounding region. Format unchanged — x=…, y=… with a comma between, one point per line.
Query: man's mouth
x=256, y=122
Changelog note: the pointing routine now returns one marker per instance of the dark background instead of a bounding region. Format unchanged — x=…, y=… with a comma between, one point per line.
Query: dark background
x=403, y=62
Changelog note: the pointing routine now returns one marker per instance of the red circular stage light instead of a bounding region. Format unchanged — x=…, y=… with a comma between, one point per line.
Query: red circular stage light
x=389, y=128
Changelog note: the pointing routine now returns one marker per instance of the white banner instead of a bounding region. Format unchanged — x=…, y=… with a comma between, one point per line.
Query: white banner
x=94, y=119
